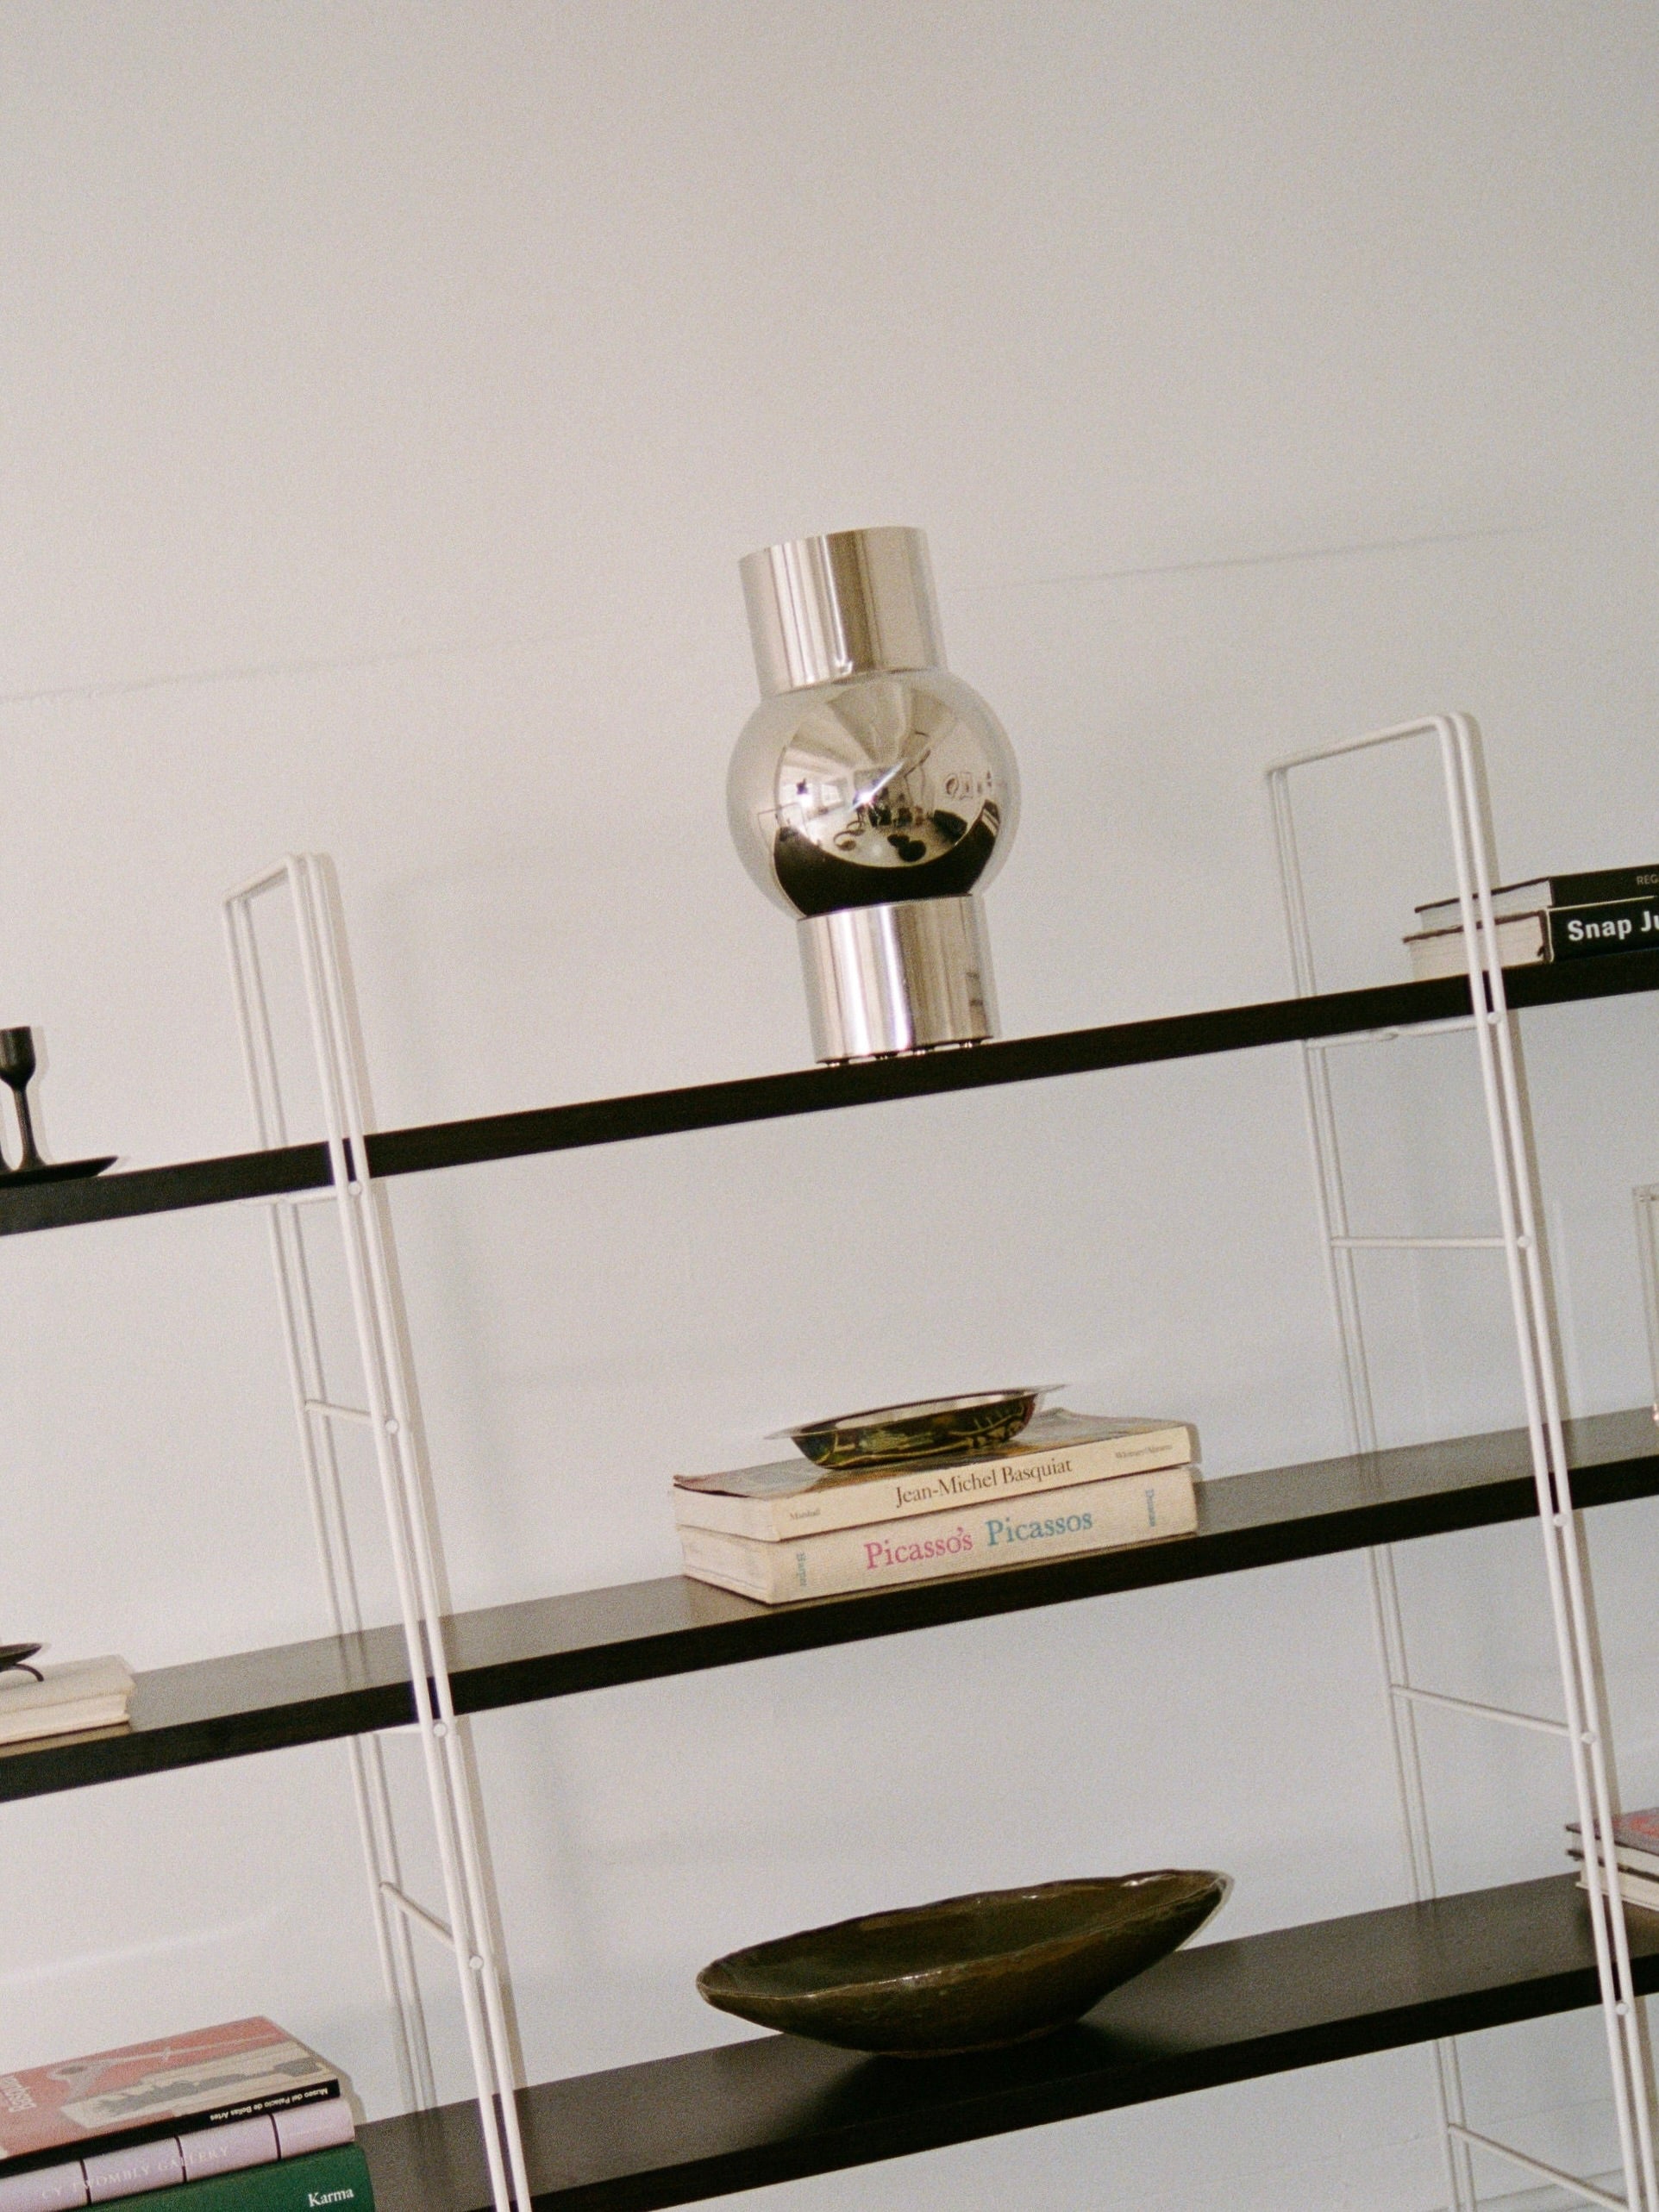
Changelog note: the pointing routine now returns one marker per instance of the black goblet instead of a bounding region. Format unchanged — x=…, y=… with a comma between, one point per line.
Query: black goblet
x=17, y=1070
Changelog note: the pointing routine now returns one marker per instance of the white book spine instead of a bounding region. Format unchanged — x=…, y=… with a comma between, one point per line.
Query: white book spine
x=46, y=2188
x=232, y=2147
x=871, y=1500
x=1096, y=1516
x=137, y=2166
x=71, y=1720
x=1639, y=1889
x=1521, y=941
x=80, y=1694
x=1632, y=1861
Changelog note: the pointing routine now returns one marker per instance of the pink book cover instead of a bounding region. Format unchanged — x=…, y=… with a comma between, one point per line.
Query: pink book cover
x=146, y=2091
x=1635, y=1831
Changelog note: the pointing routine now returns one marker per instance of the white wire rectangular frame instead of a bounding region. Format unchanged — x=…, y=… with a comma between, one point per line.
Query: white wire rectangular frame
x=1457, y=740
x=392, y=1414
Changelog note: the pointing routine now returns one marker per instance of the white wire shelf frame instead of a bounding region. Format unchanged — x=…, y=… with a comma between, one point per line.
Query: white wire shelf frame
x=1457, y=740
x=390, y=1411
x=1646, y=1197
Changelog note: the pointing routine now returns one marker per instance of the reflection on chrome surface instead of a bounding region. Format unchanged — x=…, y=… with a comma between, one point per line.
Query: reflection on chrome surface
x=881, y=787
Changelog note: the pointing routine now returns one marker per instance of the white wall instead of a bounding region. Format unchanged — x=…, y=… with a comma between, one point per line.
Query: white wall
x=388, y=394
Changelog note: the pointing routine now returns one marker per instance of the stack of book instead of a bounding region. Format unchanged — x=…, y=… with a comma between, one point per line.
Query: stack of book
x=1636, y=1856
x=1070, y=1483
x=1551, y=918
x=68, y=1700
x=238, y=2118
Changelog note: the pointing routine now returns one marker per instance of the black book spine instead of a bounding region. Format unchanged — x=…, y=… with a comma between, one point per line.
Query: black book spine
x=1593, y=885
x=1589, y=888
x=179, y=2124
x=1624, y=925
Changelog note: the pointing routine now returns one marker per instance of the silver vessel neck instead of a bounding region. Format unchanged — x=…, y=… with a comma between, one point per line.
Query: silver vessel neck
x=851, y=602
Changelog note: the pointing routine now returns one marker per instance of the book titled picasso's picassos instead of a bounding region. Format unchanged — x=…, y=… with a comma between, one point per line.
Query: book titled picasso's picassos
x=792, y=1497
x=1090, y=1517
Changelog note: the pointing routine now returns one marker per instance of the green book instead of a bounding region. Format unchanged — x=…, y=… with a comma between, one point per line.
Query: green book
x=339, y=2176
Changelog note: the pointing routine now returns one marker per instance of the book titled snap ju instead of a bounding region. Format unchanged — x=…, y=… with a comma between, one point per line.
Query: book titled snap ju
x=1555, y=933
x=1089, y=1517
x=1056, y=1450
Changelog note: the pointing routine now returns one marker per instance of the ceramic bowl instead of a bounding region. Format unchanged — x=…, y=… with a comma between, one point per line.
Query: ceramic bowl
x=931, y=1429
x=968, y=1973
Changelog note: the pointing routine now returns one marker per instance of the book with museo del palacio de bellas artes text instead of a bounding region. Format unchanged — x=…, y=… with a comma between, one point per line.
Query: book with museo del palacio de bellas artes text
x=1056, y=1450
x=151, y=2117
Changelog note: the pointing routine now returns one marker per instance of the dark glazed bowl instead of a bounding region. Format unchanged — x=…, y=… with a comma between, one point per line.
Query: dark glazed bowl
x=967, y=1973
x=929, y=1428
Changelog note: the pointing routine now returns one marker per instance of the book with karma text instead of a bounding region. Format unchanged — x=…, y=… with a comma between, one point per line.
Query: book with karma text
x=792, y=1497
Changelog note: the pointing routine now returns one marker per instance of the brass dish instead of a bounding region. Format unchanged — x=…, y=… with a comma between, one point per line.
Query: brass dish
x=968, y=1973
x=931, y=1429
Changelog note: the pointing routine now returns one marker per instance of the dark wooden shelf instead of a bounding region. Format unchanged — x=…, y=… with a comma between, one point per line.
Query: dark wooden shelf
x=636, y=1632
x=808, y=1091
x=777, y=2107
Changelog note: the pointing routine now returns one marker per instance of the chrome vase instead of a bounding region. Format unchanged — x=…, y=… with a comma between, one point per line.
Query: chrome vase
x=872, y=794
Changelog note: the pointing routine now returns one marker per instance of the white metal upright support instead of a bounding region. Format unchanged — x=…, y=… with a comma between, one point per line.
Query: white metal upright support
x=391, y=1413
x=1510, y=1137
x=1647, y=1240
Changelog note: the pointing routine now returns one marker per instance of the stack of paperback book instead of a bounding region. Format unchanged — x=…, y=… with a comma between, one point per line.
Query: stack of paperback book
x=240, y=2118
x=64, y=1700
x=1551, y=918
x=1636, y=1856
x=1070, y=1483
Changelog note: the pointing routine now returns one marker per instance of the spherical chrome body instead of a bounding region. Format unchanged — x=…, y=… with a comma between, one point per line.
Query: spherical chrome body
x=869, y=777
x=874, y=788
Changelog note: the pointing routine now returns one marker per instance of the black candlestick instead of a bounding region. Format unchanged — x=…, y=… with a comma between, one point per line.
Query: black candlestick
x=17, y=1070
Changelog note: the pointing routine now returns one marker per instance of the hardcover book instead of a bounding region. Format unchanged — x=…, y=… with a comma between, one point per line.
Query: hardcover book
x=148, y=2091
x=1562, y=933
x=171, y=2160
x=1639, y=1890
x=1539, y=893
x=1633, y=1832
x=792, y=1497
x=327, y=2181
x=1092, y=1517
x=81, y=1694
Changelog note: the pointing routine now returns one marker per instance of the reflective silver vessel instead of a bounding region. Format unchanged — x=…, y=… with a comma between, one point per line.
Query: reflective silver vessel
x=872, y=794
